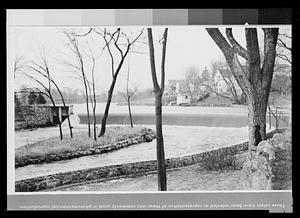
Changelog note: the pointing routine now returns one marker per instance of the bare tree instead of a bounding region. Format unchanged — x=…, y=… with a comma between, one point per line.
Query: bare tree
x=115, y=39
x=276, y=112
x=128, y=93
x=18, y=64
x=47, y=92
x=283, y=62
x=79, y=67
x=158, y=92
x=284, y=51
x=256, y=80
x=42, y=69
x=92, y=91
x=192, y=82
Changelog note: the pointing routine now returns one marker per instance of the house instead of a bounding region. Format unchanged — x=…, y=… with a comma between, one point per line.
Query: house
x=178, y=88
x=224, y=80
x=183, y=98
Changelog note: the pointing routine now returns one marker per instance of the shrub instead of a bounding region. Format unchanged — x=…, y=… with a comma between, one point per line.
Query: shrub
x=220, y=160
x=32, y=98
x=281, y=167
x=40, y=99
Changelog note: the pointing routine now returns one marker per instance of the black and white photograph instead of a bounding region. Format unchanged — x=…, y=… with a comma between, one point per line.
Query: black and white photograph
x=109, y=109
x=102, y=113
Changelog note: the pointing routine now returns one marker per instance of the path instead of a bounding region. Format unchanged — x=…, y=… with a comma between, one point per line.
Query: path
x=190, y=178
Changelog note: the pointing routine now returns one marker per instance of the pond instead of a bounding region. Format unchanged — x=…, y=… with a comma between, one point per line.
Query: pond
x=235, y=116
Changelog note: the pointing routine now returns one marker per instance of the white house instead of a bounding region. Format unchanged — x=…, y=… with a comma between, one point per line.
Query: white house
x=223, y=80
x=178, y=88
x=183, y=98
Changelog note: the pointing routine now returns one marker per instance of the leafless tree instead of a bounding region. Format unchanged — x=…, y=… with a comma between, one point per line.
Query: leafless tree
x=192, y=82
x=41, y=68
x=283, y=62
x=19, y=64
x=284, y=51
x=256, y=80
x=128, y=93
x=158, y=92
x=79, y=67
x=47, y=93
x=275, y=111
x=92, y=90
x=122, y=44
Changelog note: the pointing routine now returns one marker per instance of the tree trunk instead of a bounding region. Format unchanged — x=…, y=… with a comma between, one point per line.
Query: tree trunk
x=94, y=119
x=59, y=125
x=129, y=111
x=161, y=168
x=270, y=122
x=158, y=92
x=105, y=115
x=70, y=126
x=60, y=131
x=86, y=98
x=255, y=82
x=257, y=107
x=88, y=116
x=64, y=104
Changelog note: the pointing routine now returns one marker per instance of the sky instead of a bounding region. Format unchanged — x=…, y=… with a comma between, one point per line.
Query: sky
x=186, y=46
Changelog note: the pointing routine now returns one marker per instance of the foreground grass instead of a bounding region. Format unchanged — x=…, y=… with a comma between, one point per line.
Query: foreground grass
x=80, y=141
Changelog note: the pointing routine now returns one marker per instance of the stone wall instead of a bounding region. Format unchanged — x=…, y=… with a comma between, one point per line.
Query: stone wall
x=270, y=168
x=80, y=176
x=147, y=135
x=115, y=171
x=34, y=116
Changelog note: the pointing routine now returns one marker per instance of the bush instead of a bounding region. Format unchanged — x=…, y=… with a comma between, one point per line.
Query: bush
x=32, y=98
x=220, y=161
x=281, y=167
x=40, y=99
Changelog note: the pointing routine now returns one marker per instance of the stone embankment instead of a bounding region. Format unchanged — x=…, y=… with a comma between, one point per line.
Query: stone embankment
x=270, y=167
x=146, y=135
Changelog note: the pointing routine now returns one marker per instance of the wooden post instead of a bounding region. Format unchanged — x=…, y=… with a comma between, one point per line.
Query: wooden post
x=59, y=114
x=51, y=115
x=269, y=117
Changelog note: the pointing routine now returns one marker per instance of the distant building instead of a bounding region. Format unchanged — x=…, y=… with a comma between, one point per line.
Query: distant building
x=183, y=98
x=178, y=88
x=222, y=80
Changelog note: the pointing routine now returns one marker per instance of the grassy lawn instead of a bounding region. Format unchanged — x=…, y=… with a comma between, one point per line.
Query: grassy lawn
x=80, y=141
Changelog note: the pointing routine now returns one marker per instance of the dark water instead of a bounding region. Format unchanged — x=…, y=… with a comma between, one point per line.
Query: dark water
x=209, y=120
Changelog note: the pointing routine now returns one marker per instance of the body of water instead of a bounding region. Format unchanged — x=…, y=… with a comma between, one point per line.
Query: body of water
x=235, y=116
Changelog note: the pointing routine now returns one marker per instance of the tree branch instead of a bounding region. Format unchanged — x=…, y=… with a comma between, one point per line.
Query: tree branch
x=152, y=60
x=236, y=46
x=163, y=59
x=270, y=35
